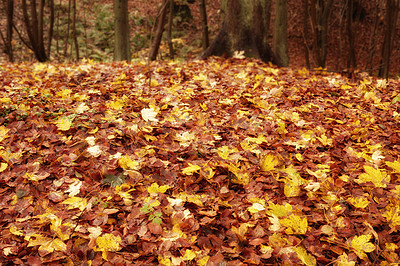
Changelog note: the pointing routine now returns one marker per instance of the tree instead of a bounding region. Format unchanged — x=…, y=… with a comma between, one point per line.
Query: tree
x=121, y=16
x=392, y=12
x=9, y=8
x=204, y=34
x=319, y=14
x=280, y=45
x=244, y=28
x=34, y=25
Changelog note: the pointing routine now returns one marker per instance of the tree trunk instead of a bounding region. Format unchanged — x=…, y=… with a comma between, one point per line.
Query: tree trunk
x=8, y=42
x=392, y=11
x=74, y=34
x=204, y=34
x=351, y=63
x=280, y=44
x=160, y=29
x=35, y=28
x=244, y=28
x=122, y=47
x=320, y=11
x=169, y=31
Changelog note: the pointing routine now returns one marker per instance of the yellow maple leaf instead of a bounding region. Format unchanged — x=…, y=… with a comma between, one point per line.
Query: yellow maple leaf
x=343, y=260
x=108, y=242
x=378, y=177
x=3, y=133
x=155, y=188
x=127, y=163
x=64, y=123
x=76, y=202
x=395, y=166
x=279, y=210
x=15, y=231
x=46, y=244
x=192, y=168
x=189, y=255
x=295, y=224
x=224, y=152
x=3, y=166
x=241, y=176
x=360, y=245
x=307, y=259
x=358, y=202
x=269, y=162
x=392, y=214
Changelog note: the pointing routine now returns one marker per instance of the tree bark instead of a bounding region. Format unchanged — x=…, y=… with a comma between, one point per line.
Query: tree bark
x=35, y=28
x=320, y=11
x=8, y=42
x=122, y=47
x=280, y=45
x=244, y=28
x=204, y=34
x=160, y=29
x=392, y=11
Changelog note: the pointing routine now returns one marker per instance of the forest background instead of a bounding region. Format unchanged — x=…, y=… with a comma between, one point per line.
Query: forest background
x=359, y=33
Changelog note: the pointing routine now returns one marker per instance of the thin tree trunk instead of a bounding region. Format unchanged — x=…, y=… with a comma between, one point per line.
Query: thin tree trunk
x=160, y=29
x=10, y=15
x=373, y=39
x=306, y=15
x=169, y=28
x=203, y=14
x=67, y=32
x=74, y=35
x=51, y=27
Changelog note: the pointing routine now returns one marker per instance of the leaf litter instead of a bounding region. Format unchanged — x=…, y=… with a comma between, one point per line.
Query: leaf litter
x=220, y=161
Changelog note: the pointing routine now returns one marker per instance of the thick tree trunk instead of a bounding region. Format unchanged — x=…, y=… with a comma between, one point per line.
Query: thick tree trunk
x=244, y=28
x=320, y=11
x=122, y=47
x=392, y=11
x=280, y=45
x=35, y=28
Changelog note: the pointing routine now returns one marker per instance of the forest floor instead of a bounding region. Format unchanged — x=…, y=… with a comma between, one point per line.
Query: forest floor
x=197, y=162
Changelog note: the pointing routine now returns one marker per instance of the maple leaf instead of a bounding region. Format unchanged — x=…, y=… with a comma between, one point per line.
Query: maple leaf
x=295, y=224
x=76, y=202
x=394, y=165
x=189, y=170
x=361, y=245
x=149, y=114
x=307, y=259
x=269, y=162
x=155, y=188
x=127, y=163
x=74, y=188
x=3, y=166
x=64, y=123
x=378, y=177
x=343, y=260
x=358, y=202
x=3, y=133
x=108, y=242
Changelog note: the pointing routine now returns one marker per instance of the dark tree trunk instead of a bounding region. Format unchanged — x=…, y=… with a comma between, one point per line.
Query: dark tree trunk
x=392, y=11
x=160, y=29
x=8, y=42
x=244, y=28
x=121, y=17
x=35, y=28
x=281, y=32
x=320, y=11
x=204, y=34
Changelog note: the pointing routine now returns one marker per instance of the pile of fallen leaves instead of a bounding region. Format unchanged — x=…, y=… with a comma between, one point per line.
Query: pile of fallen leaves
x=205, y=162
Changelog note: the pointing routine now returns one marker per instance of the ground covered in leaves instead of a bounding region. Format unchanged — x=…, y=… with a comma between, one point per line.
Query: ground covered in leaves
x=197, y=163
